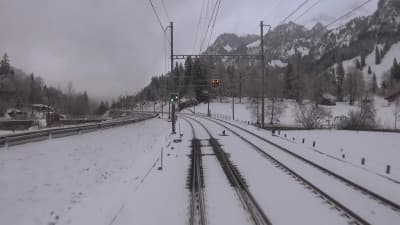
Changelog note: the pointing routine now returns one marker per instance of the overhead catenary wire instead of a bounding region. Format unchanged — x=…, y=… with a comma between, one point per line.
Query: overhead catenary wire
x=166, y=10
x=213, y=14
x=212, y=28
x=347, y=14
x=294, y=11
x=307, y=10
x=157, y=16
x=198, y=26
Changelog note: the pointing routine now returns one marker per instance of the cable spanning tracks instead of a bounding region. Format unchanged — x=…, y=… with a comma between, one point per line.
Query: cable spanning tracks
x=249, y=203
x=196, y=183
x=347, y=212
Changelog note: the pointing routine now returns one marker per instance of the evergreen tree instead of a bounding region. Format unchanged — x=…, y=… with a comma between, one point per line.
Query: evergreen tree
x=288, y=80
x=199, y=80
x=363, y=64
x=374, y=84
x=381, y=54
x=340, y=81
x=103, y=107
x=187, y=79
x=395, y=70
x=377, y=56
x=5, y=67
x=358, y=64
x=176, y=78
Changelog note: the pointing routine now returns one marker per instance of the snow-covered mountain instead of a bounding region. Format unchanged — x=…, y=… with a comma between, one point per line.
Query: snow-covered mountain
x=319, y=48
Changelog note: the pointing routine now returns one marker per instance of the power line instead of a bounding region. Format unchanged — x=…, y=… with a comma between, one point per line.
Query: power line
x=294, y=11
x=215, y=18
x=347, y=14
x=209, y=24
x=157, y=16
x=198, y=26
x=307, y=10
x=275, y=6
x=166, y=11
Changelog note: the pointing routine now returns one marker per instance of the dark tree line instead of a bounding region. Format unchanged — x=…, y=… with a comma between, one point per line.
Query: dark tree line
x=19, y=90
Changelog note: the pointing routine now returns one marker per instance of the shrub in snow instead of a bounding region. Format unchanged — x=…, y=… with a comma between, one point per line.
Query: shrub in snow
x=311, y=116
x=363, y=118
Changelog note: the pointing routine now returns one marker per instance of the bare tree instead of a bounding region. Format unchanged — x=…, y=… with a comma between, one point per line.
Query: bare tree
x=396, y=112
x=311, y=116
x=354, y=84
x=275, y=106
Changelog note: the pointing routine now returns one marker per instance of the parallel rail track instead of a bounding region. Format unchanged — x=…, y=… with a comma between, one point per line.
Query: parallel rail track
x=372, y=195
x=196, y=183
x=343, y=210
x=249, y=203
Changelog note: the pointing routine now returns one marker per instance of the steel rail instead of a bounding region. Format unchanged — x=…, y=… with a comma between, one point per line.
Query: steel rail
x=384, y=201
x=257, y=215
x=197, y=204
x=347, y=211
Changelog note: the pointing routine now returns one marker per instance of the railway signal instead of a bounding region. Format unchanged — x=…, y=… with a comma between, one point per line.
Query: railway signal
x=174, y=98
x=215, y=83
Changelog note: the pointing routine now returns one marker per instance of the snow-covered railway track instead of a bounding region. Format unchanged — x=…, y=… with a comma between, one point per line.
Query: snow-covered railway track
x=248, y=202
x=369, y=202
x=196, y=183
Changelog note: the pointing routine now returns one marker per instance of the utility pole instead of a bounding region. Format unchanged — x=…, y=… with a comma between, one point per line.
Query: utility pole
x=262, y=74
x=232, y=72
x=171, y=27
x=208, y=102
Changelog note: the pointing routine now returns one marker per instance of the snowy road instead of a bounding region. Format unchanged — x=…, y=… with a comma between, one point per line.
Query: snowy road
x=369, y=209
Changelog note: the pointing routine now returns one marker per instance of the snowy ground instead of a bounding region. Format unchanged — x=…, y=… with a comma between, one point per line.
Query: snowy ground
x=247, y=111
x=251, y=166
x=277, y=193
x=96, y=178
x=379, y=149
x=111, y=176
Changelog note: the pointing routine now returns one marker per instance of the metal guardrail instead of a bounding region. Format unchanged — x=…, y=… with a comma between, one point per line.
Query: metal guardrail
x=26, y=137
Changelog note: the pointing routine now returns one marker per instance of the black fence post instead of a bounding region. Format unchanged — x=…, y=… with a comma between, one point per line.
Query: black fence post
x=388, y=169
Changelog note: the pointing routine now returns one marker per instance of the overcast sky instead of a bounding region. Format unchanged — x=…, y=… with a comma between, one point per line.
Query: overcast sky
x=112, y=48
